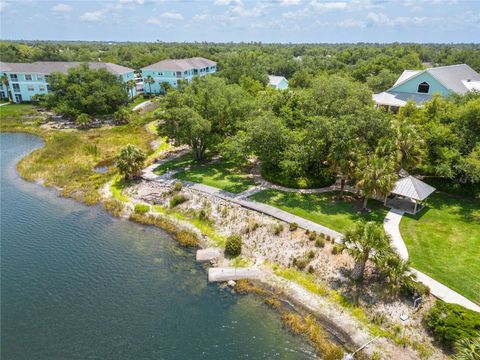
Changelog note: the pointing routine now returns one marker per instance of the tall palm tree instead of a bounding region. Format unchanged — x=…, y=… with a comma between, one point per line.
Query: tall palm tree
x=149, y=80
x=4, y=81
x=131, y=84
x=367, y=241
x=376, y=176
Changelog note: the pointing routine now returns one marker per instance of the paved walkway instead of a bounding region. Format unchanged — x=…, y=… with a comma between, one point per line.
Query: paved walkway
x=242, y=200
x=391, y=226
x=391, y=223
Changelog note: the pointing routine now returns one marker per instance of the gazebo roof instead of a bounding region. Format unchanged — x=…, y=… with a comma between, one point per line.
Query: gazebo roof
x=412, y=188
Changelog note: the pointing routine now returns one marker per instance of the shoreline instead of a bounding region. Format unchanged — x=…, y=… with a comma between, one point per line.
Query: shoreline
x=294, y=293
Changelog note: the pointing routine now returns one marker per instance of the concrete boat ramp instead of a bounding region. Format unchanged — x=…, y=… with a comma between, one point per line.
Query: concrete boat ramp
x=221, y=274
x=224, y=273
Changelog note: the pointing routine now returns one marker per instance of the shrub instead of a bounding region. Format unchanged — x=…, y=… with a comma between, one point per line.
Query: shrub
x=233, y=246
x=277, y=229
x=311, y=254
x=177, y=186
x=83, y=121
x=413, y=288
x=202, y=215
x=450, y=323
x=337, y=249
x=312, y=236
x=301, y=263
x=311, y=269
x=141, y=208
x=319, y=242
x=293, y=226
x=177, y=200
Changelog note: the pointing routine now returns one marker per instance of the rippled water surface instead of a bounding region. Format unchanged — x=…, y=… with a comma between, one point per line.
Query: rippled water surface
x=78, y=284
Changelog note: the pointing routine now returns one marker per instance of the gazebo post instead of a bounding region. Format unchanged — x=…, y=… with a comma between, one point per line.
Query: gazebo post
x=415, y=208
x=385, y=201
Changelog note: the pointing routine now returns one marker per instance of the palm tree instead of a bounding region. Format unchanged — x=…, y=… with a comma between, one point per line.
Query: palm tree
x=366, y=241
x=342, y=161
x=468, y=348
x=376, y=176
x=4, y=81
x=149, y=80
x=130, y=161
x=165, y=87
x=83, y=121
x=131, y=84
x=409, y=145
x=122, y=116
x=396, y=270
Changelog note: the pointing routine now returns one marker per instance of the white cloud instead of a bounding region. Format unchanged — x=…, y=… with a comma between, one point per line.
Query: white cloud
x=383, y=20
x=289, y=2
x=350, y=23
x=166, y=15
x=200, y=17
x=171, y=15
x=227, y=2
x=62, y=8
x=241, y=11
x=139, y=2
x=93, y=16
x=321, y=5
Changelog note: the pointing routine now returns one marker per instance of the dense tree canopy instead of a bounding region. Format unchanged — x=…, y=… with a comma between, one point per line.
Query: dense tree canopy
x=324, y=127
x=83, y=90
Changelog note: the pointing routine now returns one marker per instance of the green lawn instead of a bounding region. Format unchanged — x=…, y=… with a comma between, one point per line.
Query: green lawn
x=324, y=209
x=443, y=241
x=180, y=162
x=16, y=109
x=224, y=176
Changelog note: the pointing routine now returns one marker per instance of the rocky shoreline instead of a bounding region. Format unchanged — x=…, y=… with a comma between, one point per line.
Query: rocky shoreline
x=270, y=244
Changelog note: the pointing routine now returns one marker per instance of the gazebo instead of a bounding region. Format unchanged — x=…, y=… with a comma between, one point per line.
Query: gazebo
x=408, y=193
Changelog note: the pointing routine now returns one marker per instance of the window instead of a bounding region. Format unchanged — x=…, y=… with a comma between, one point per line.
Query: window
x=41, y=88
x=28, y=77
x=40, y=77
x=179, y=73
x=14, y=77
x=30, y=88
x=18, y=98
x=423, y=88
x=2, y=95
x=16, y=87
x=47, y=77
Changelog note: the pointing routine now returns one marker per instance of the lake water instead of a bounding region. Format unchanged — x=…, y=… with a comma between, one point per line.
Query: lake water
x=79, y=284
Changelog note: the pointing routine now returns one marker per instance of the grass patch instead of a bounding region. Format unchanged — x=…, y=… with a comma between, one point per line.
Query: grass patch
x=223, y=176
x=138, y=100
x=305, y=280
x=324, y=209
x=203, y=225
x=118, y=184
x=68, y=158
x=443, y=241
x=179, y=162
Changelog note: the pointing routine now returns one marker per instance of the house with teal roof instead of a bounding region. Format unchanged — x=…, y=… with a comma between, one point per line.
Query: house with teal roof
x=172, y=71
x=25, y=80
x=420, y=85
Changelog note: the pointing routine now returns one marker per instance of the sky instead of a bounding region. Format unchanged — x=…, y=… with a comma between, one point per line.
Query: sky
x=278, y=21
